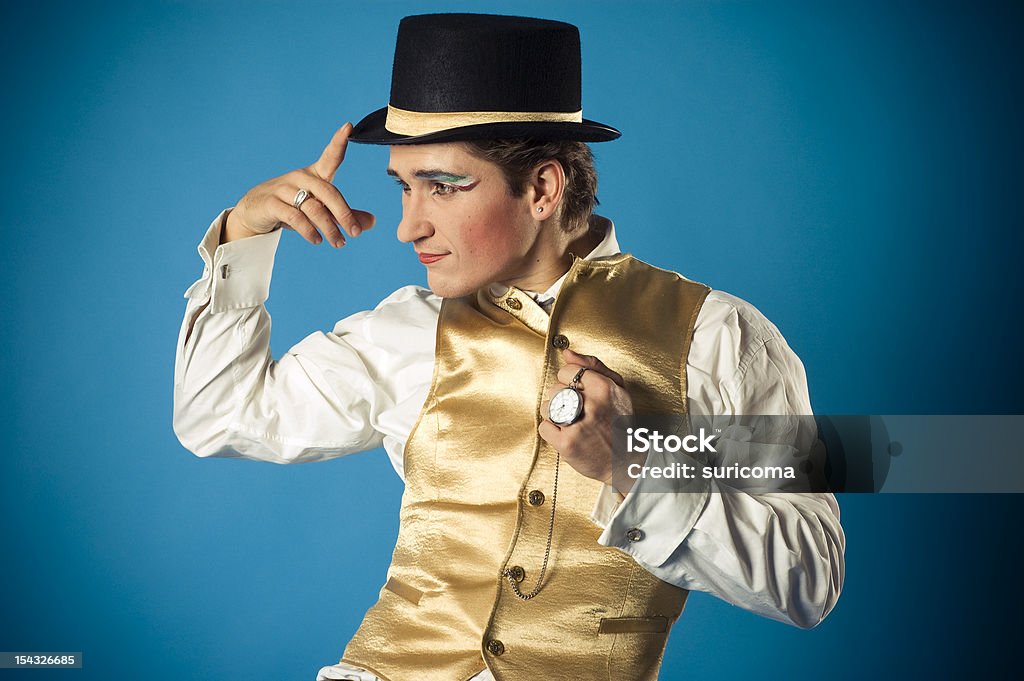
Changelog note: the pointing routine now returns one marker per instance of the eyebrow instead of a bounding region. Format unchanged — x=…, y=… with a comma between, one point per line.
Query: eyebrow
x=433, y=174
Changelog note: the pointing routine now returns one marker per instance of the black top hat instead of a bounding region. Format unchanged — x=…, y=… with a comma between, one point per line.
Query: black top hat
x=482, y=76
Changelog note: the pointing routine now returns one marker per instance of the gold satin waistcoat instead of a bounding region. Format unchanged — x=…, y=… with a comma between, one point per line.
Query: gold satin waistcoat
x=479, y=484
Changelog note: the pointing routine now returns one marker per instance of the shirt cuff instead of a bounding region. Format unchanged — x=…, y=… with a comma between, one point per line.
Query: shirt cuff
x=236, y=275
x=651, y=522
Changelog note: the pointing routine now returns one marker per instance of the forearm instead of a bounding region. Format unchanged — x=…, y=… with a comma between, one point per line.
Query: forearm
x=778, y=555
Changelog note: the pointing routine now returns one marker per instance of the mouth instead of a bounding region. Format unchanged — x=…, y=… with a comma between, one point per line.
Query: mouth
x=428, y=258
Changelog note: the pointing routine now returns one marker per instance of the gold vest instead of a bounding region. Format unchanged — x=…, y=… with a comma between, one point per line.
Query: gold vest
x=479, y=484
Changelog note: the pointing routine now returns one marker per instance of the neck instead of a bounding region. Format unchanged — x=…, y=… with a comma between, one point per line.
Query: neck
x=554, y=257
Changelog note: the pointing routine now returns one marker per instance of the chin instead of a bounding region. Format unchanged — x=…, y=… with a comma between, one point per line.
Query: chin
x=449, y=289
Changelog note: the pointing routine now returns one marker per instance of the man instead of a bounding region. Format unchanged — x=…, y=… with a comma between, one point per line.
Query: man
x=494, y=392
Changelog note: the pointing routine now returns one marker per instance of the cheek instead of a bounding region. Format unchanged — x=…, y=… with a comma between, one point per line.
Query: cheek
x=486, y=236
x=495, y=232
x=488, y=243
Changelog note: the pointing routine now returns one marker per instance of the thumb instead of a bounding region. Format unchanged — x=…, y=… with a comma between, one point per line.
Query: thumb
x=333, y=154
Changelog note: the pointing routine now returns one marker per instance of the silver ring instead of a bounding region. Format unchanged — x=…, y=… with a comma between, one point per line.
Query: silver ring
x=300, y=196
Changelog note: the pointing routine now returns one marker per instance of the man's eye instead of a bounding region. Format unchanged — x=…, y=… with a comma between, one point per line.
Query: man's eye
x=442, y=189
x=402, y=185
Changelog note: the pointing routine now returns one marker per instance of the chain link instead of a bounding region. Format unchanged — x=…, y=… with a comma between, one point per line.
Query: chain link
x=547, y=549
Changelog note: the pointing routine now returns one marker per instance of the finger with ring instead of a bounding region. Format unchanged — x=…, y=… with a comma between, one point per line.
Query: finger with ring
x=300, y=196
x=320, y=216
x=572, y=374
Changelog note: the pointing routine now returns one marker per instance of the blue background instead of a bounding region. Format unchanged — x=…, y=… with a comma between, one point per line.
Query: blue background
x=853, y=169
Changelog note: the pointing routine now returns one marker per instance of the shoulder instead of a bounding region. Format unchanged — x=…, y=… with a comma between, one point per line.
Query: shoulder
x=723, y=320
x=724, y=313
x=730, y=334
x=739, y=362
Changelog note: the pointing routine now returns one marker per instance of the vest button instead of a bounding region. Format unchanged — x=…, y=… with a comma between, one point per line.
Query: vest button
x=513, y=303
x=560, y=342
x=495, y=647
x=536, y=497
x=635, y=534
x=517, y=573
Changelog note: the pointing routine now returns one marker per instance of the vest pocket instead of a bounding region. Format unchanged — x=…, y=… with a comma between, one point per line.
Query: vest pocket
x=409, y=593
x=633, y=625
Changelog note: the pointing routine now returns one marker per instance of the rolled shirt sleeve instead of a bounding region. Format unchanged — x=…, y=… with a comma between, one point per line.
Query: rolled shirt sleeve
x=777, y=554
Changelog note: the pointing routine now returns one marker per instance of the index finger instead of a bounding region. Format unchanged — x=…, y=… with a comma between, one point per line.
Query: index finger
x=593, y=364
x=334, y=153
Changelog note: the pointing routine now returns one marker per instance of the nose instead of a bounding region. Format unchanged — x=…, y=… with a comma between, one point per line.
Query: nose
x=414, y=224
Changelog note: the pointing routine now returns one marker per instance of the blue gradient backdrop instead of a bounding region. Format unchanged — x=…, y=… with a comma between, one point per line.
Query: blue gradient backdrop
x=854, y=169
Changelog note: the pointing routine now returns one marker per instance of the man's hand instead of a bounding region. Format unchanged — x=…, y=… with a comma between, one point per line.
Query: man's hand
x=587, y=444
x=268, y=205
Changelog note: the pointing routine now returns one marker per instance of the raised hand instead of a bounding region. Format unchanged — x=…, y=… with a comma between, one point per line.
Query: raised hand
x=318, y=216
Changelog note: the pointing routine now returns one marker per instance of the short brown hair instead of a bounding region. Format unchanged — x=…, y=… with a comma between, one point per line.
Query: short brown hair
x=517, y=159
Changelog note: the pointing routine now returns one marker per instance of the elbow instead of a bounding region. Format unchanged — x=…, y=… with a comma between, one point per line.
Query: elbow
x=196, y=431
x=187, y=436
x=822, y=591
x=181, y=427
x=824, y=568
x=816, y=613
x=209, y=437
x=184, y=412
x=812, y=616
x=202, y=428
x=837, y=570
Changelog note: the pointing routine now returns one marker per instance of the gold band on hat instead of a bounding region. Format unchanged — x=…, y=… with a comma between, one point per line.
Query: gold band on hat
x=402, y=122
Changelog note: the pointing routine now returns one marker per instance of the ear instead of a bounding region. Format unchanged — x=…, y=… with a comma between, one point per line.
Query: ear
x=545, y=189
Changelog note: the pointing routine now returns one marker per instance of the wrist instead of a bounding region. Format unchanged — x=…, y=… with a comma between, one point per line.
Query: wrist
x=232, y=230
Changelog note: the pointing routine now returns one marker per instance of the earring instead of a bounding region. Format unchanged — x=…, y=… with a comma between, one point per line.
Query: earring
x=540, y=209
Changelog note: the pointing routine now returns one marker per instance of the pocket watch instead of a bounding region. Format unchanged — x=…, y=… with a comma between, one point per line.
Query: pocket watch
x=566, y=405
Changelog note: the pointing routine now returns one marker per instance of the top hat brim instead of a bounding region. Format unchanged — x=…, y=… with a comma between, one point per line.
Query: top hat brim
x=371, y=130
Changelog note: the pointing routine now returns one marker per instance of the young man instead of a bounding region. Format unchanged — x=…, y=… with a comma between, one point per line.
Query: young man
x=494, y=392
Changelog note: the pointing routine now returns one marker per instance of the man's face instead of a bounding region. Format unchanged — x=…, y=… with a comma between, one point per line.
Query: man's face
x=463, y=221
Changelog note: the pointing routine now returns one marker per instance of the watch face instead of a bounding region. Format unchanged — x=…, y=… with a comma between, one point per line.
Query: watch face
x=565, y=406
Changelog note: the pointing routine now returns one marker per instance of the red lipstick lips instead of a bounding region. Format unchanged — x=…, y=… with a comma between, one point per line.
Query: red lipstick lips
x=427, y=258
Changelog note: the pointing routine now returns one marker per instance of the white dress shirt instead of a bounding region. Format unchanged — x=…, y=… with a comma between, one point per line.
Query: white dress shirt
x=362, y=386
